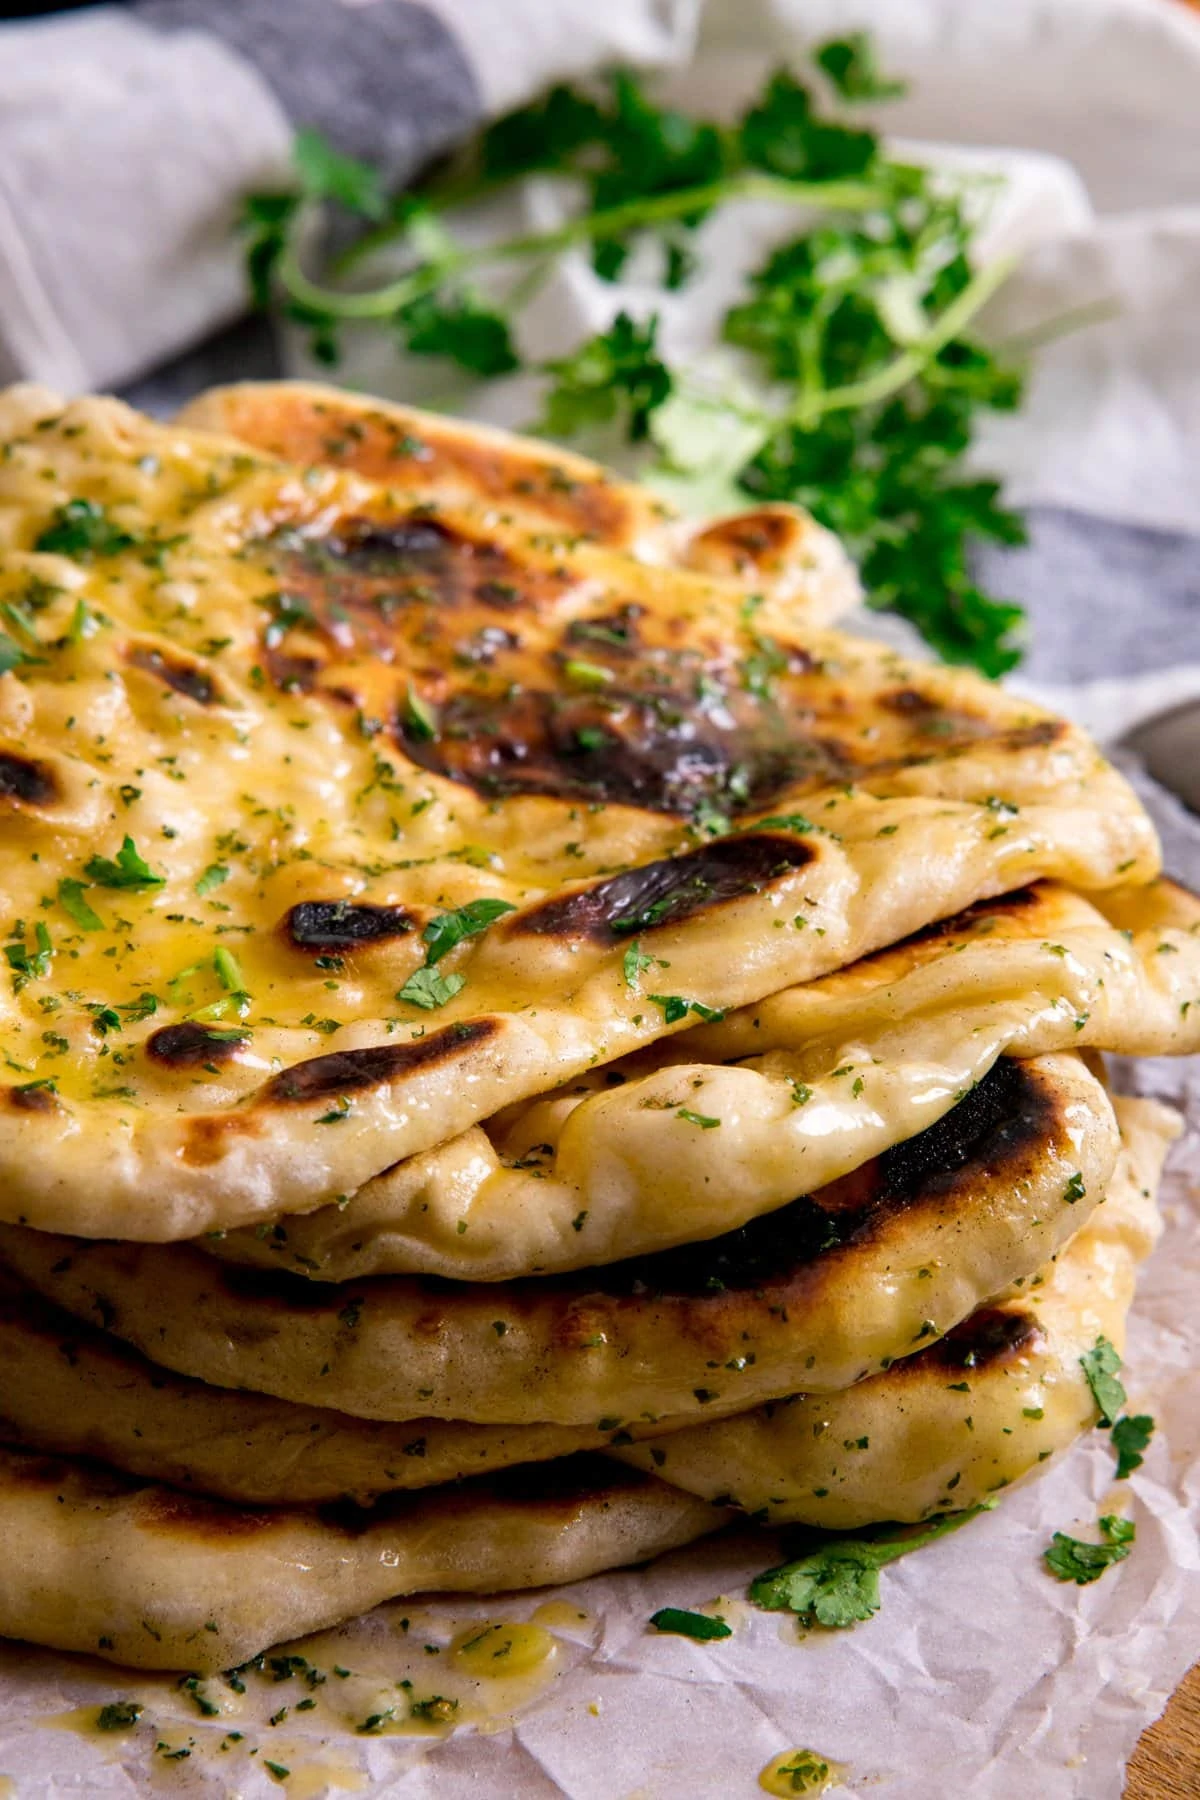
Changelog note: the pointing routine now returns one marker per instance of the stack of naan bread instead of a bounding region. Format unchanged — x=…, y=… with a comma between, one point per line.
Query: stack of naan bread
x=522, y=1042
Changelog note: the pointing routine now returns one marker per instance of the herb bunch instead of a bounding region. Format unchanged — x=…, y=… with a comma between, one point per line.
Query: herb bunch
x=854, y=333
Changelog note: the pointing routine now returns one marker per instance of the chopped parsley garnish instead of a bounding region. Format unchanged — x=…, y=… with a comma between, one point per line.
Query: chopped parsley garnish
x=420, y=720
x=70, y=898
x=1075, y=1189
x=635, y=960
x=451, y=928
x=119, y=1715
x=429, y=988
x=677, y=1620
x=675, y=1007
x=1071, y=1560
x=838, y=1584
x=30, y=965
x=212, y=878
x=11, y=654
x=1130, y=1436
x=83, y=529
x=130, y=870
x=694, y=1118
x=1101, y=1365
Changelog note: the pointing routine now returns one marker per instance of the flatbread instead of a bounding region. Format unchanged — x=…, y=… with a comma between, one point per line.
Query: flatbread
x=725, y=1122
x=950, y=1426
x=370, y=716
x=74, y=1391
x=774, y=548
x=139, y=1574
x=816, y=1295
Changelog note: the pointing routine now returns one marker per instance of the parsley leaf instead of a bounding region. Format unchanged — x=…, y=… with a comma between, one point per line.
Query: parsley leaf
x=70, y=898
x=427, y=988
x=617, y=374
x=450, y=928
x=11, y=654
x=675, y=1007
x=1071, y=1560
x=461, y=327
x=1101, y=1366
x=83, y=529
x=696, y=1625
x=1130, y=1436
x=849, y=63
x=838, y=1584
x=212, y=877
x=130, y=870
x=118, y=1715
x=325, y=174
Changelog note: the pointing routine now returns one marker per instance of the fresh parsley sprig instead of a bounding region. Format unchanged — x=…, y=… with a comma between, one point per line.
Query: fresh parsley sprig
x=838, y=1583
x=857, y=328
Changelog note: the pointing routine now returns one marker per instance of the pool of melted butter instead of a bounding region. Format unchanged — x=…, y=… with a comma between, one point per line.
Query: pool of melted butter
x=307, y=1712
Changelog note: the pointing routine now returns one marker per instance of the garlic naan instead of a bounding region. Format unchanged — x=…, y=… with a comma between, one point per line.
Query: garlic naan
x=956, y=1422
x=712, y=1128
x=272, y=731
x=75, y=1391
x=816, y=1295
x=93, y=1561
x=773, y=548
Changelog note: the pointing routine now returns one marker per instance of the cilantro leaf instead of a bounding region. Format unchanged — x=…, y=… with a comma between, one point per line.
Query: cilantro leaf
x=617, y=374
x=130, y=870
x=1130, y=1436
x=838, y=1584
x=450, y=928
x=681, y=1623
x=1101, y=1366
x=83, y=529
x=212, y=877
x=850, y=65
x=428, y=989
x=1072, y=1560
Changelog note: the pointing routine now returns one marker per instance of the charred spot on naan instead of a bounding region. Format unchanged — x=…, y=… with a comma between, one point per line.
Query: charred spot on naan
x=33, y=1097
x=989, y=1338
x=337, y=927
x=491, y=664
x=180, y=673
x=350, y=1071
x=670, y=890
x=987, y=1138
x=191, y=1044
x=26, y=781
x=749, y=544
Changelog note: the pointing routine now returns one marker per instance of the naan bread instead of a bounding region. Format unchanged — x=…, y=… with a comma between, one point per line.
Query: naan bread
x=773, y=549
x=326, y=716
x=93, y=1561
x=74, y=1391
x=957, y=1422
x=816, y=1295
x=796, y=1092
